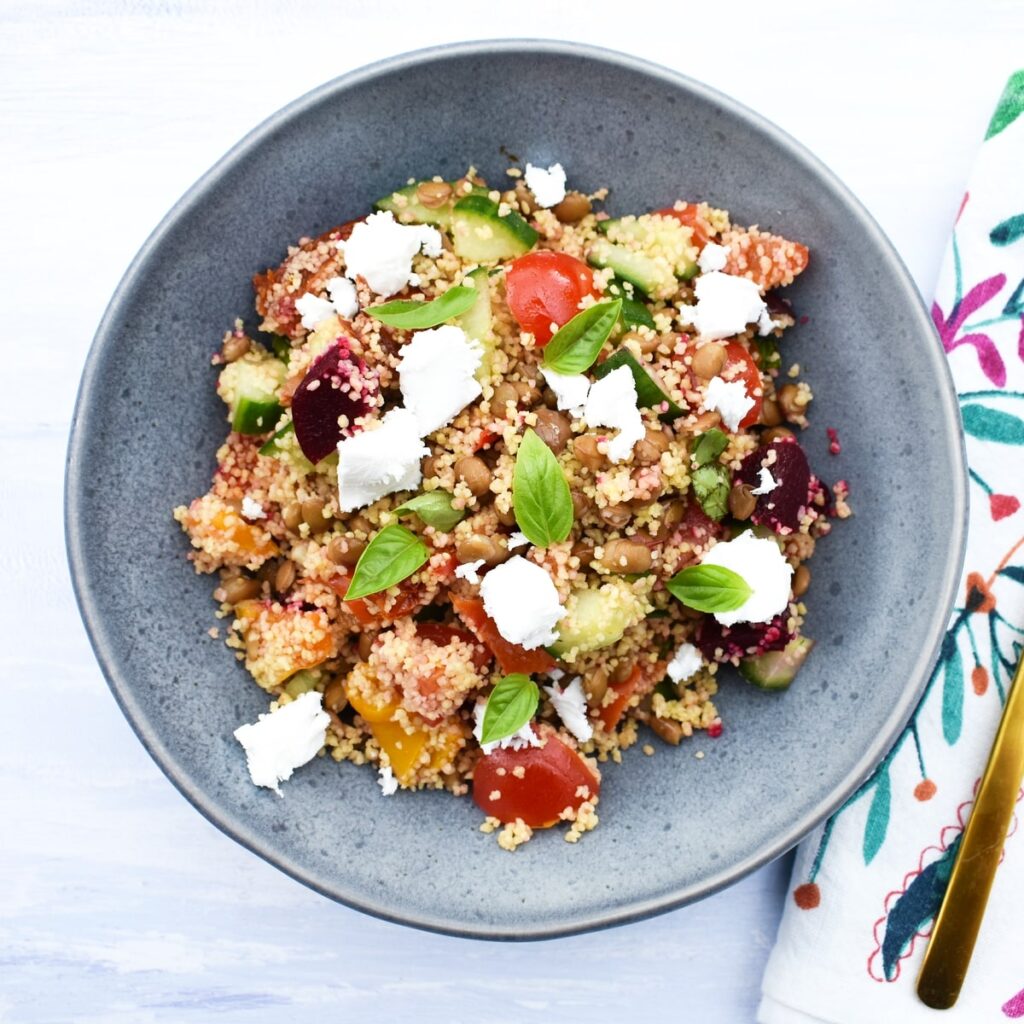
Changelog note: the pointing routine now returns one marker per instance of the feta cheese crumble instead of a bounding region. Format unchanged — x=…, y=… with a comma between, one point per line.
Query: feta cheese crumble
x=252, y=509
x=387, y=781
x=286, y=739
x=571, y=705
x=725, y=305
x=343, y=297
x=469, y=571
x=766, y=482
x=378, y=462
x=612, y=403
x=436, y=374
x=547, y=186
x=685, y=663
x=571, y=390
x=517, y=540
x=523, y=737
x=313, y=310
x=522, y=600
x=712, y=257
x=760, y=562
x=380, y=250
x=730, y=399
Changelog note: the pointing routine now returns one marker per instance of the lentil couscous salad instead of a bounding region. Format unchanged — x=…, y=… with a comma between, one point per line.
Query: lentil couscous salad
x=506, y=479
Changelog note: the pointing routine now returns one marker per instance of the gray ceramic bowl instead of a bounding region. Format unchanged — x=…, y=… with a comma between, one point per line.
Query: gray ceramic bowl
x=673, y=828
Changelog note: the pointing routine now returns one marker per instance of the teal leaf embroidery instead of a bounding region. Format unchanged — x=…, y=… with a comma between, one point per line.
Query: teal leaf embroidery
x=952, y=690
x=1015, y=303
x=1010, y=105
x=993, y=425
x=1008, y=231
x=1013, y=572
x=878, y=817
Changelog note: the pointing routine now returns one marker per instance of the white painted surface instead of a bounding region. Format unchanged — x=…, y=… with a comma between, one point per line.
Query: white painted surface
x=119, y=902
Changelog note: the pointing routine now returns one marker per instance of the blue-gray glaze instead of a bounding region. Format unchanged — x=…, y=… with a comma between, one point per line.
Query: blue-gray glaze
x=673, y=828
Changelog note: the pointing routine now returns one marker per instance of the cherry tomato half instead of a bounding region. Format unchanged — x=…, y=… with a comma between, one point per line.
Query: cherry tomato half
x=549, y=782
x=511, y=657
x=545, y=287
x=687, y=216
x=740, y=365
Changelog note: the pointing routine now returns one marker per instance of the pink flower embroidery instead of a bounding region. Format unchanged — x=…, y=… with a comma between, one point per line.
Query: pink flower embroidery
x=988, y=355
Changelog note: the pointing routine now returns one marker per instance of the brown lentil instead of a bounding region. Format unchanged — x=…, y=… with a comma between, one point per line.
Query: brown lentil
x=585, y=447
x=235, y=346
x=776, y=434
x=624, y=555
x=616, y=516
x=285, y=576
x=292, y=515
x=241, y=588
x=771, y=416
x=595, y=686
x=553, y=429
x=345, y=550
x=742, y=501
x=433, y=194
x=667, y=729
x=473, y=472
x=580, y=502
x=313, y=514
x=801, y=580
x=364, y=645
x=334, y=696
x=572, y=209
x=584, y=551
x=622, y=672
x=791, y=401
x=707, y=420
x=490, y=549
x=503, y=394
x=649, y=450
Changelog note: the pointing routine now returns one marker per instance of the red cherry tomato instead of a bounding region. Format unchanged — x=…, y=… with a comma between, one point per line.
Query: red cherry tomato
x=687, y=216
x=545, y=287
x=740, y=365
x=612, y=713
x=511, y=657
x=549, y=782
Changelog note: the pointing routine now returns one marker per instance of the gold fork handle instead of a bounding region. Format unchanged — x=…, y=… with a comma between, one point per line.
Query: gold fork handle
x=956, y=926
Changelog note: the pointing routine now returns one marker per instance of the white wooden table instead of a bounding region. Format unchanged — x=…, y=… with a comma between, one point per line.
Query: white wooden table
x=120, y=903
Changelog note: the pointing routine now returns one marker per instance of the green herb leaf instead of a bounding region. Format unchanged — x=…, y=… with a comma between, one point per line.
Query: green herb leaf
x=282, y=347
x=709, y=588
x=709, y=446
x=435, y=509
x=768, y=350
x=711, y=485
x=393, y=555
x=650, y=394
x=510, y=706
x=540, y=493
x=410, y=315
x=576, y=345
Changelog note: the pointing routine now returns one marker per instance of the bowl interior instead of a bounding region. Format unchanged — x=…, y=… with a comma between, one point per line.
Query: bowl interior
x=674, y=827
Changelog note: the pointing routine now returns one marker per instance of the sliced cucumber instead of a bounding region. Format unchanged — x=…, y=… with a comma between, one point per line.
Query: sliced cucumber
x=634, y=311
x=775, y=670
x=649, y=393
x=596, y=617
x=480, y=233
x=407, y=208
x=651, y=277
x=275, y=445
x=478, y=320
x=249, y=386
x=659, y=237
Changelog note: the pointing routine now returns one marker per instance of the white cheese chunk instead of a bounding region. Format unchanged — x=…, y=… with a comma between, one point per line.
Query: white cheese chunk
x=522, y=600
x=436, y=373
x=547, y=186
x=279, y=742
x=343, y=297
x=380, y=250
x=730, y=399
x=313, y=309
x=760, y=562
x=712, y=257
x=469, y=571
x=517, y=540
x=381, y=461
x=725, y=305
x=387, y=781
x=571, y=705
x=524, y=736
x=612, y=403
x=765, y=323
x=685, y=663
x=252, y=509
x=571, y=390
x=766, y=482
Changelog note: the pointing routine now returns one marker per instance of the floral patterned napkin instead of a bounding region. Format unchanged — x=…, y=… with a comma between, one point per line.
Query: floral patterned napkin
x=867, y=884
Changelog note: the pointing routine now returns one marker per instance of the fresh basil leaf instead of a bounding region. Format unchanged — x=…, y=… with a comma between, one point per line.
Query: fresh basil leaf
x=393, y=555
x=709, y=588
x=540, y=494
x=649, y=393
x=709, y=446
x=435, y=509
x=634, y=310
x=510, y=706
x=711, y=485
x=577, y=344
x=410, y=315
x=768, y=350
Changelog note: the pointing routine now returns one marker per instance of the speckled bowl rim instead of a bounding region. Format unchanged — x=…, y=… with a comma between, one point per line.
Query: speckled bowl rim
x=239, y=830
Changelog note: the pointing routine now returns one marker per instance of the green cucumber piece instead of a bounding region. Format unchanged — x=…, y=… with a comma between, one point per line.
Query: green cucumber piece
x=409, y=210
x=596, y=617
x=775, y=670
x=649, y=392
x=478, y=320
x=657, y=236
x=634, y=311
x=255, y=415
x=653, y=278
x=249, y=386
x=480, y=233
x=273, y=446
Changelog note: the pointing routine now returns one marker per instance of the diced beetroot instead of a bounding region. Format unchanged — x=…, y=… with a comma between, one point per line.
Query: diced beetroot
x=337, y=384
x=782, y=508
x=742, y=639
